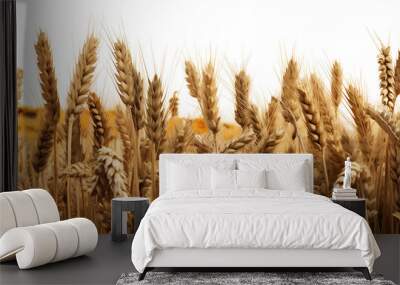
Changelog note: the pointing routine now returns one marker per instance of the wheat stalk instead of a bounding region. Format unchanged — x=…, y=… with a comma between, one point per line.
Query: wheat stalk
x=255, y=121
x=173, y=106
x=289, y=87
x=20, y=83
x=122, y=128
x=77, y=98
x=80, y=171
x=394, y=166
x=397, y=75
x=386, y=123
x=386, y=76
x=193, y=79
x=271, y=114
x=336, y=85
x=242, y=93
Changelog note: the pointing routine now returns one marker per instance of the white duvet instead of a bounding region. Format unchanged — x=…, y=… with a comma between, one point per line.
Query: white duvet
x=253, y=218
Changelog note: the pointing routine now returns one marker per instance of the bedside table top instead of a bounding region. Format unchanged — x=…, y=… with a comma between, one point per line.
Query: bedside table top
x=130, y=199
x=349, y=200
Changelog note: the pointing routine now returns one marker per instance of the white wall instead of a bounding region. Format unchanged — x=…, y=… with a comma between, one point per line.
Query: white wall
x=258, y=34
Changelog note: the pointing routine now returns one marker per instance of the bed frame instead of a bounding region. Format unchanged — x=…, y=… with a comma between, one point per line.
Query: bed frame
x=245, y=259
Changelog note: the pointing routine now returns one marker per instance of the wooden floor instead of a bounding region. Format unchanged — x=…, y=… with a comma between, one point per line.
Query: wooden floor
x=111, y=259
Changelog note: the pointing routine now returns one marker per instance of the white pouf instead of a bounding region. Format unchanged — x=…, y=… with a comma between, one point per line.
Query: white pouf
x=31, y=232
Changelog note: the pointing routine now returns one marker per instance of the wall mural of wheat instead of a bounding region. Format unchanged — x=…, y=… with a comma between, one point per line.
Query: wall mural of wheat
x=85, y=155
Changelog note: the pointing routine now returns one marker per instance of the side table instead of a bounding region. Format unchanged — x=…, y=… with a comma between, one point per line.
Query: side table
x=119, y=216
x=355, y=205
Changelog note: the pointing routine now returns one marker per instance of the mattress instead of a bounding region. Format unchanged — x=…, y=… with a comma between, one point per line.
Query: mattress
x=250, y=219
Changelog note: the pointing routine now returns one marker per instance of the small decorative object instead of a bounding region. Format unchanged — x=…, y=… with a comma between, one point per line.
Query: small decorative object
x=347, y=174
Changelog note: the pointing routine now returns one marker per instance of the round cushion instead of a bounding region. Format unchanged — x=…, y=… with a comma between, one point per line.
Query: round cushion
x=33, y=246
x=87, y=234
x=23, y=208
x=7, y=220
x=66, y=238
x=45, y=205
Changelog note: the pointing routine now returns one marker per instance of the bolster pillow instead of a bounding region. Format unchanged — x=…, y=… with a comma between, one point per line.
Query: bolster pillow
x=26, y=208
x=40, y=244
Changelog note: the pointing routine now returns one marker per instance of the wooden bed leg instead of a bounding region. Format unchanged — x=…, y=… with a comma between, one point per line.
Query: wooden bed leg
x=143, y=274
x=364, y=271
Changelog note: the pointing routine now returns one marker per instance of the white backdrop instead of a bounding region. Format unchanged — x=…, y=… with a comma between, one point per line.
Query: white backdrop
x=259, y=35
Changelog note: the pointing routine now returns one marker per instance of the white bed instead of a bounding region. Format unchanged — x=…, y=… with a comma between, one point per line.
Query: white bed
x=249, y=227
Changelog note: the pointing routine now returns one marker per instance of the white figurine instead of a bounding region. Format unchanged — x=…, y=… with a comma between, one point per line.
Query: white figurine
x=347, y=174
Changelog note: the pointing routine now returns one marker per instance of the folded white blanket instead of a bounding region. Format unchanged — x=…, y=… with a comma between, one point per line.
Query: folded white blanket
x=252, y=218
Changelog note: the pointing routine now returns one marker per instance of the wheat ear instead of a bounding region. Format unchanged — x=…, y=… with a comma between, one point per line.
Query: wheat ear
x=173, y=106
x=242, y=93
x=269, y=142
x=290, y=118
x=114, y=170
x=336, y=85
x=361, y=119
x=238, y=144
x=98, y=115
x=129, y=82
x=155, y=125
x=48, y=84
x=314, y=127
x=312, y=120
x=327, y=114
x=192, y=79
x=77, y=99
x=155, y=114
x=201, y=145
x=386, y=76
x=184, y=137
x=289, y=87
x=209, y=101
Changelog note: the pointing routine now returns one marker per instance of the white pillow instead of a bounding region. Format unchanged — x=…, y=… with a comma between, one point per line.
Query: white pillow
x=251, y=178
x=183, y=178
x=291, y=179
x=223, y=179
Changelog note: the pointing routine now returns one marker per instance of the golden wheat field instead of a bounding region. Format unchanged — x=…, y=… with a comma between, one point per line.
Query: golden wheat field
x=85, y=155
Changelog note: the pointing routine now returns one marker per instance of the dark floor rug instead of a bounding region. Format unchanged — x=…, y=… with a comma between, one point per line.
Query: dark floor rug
x=231, y=278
